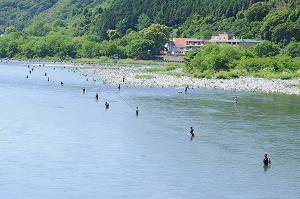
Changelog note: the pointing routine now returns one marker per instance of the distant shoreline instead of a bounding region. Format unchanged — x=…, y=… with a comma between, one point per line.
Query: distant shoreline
x=113, y=74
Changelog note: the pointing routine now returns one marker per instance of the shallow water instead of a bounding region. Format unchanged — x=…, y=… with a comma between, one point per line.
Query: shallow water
x=56, y=142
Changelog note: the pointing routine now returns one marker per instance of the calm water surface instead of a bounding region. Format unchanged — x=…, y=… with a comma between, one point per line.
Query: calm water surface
x=56, y=142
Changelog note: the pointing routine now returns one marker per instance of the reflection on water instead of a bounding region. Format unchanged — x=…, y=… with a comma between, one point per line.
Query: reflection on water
x=56, y=142
x=266, y=167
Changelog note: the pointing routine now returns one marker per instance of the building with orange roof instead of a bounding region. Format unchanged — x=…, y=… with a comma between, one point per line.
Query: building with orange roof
x=182, y=45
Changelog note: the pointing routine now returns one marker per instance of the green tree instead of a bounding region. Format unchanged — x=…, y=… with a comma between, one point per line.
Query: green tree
x=214, y=58
x=286, y=32
x=189, y=56
x=41, y=49
x=271, y=21
x=295, y=14
x=109, y=49
x=59, y=23
x=158, y=34
x=265, y=49
x=112, y=34
x=121, y=26
x=10, y=29
x=292, y=49
x=12, y=48
x=159, y=18
x=87, y=49
x=3, y=47
x=143, y=22
x=257, y=11
x=140, y=48
x=28, y=48
x=38, y=29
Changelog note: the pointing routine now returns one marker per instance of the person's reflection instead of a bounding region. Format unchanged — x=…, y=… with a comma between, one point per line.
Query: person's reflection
x=192, y=137
x=266, y=167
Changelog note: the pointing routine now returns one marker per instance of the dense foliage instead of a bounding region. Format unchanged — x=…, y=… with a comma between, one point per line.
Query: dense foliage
x=171, y=13
x=226, y=61
x=22, y=13
x=141, y=45
x=18, y=13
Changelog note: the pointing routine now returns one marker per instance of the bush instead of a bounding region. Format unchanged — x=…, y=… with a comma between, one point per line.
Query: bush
x=222, y=75
x=144, y=77
x=227, y=75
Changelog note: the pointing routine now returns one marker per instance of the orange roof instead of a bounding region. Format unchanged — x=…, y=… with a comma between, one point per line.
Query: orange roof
x=179, y=41
x=183, y=41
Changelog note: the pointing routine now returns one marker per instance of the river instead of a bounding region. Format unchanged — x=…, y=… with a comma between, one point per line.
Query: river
x=58, y=142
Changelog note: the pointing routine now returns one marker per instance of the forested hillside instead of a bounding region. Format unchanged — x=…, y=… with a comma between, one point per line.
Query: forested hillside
x=172, y=13
x=187, y=18
x=20, y=13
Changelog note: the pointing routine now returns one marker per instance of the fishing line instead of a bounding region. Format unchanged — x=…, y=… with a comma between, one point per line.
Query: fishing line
x=10, y=124
x=102, y=95
x=121, y=97
x=15, y=155
x=118, y=95
x=167, y=124
x=111, y=79
x=170, y=125
x=236, y=108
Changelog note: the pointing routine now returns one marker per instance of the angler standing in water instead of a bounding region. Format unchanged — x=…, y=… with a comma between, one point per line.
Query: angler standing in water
x=235, y=100
x=192, y=132
x=185, y=89
x=137, y=111
x=266, y=160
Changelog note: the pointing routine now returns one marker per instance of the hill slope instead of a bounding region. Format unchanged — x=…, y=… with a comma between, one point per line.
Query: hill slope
x=21, y=13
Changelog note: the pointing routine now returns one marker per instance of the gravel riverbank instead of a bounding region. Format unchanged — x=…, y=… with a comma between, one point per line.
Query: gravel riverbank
x=135, y=75
x=115, y=74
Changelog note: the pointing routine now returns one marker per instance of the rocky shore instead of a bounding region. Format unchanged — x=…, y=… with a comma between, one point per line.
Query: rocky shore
x=133, y=76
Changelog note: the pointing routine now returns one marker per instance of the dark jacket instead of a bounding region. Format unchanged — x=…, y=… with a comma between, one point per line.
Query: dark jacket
x=265, y=161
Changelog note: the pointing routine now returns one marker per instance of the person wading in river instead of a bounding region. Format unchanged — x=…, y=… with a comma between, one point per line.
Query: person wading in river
x=192, y=132
x=266, y=160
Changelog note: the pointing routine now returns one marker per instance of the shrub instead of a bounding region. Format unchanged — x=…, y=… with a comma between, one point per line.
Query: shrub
x=144, y=77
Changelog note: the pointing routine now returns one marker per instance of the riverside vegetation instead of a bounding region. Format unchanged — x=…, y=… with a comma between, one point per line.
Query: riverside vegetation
x=98, y=33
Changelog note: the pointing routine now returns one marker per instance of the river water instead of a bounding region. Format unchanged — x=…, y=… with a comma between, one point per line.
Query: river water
x=57, y=142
